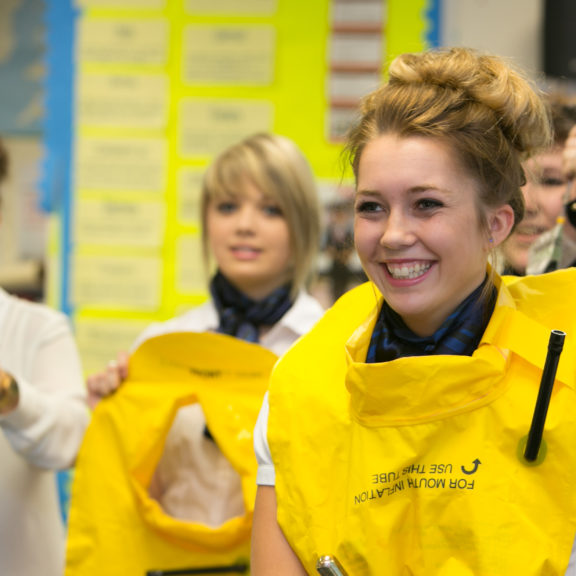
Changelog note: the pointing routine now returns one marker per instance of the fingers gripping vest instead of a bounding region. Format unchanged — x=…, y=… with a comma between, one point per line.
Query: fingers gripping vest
x=114, y=526
x=415, y=467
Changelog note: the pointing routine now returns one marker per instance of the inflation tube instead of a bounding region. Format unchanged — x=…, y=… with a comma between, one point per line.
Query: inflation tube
x=555, y=345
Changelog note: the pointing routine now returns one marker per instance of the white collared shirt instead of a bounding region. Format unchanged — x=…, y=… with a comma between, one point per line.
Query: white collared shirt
x=305, y=312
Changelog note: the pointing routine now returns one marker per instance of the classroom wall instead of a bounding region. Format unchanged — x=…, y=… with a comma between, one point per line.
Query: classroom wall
x=511, y=28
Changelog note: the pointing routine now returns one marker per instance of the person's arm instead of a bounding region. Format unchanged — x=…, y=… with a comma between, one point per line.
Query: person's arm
x=107, y=381
x=271, y=553
x=47, y=424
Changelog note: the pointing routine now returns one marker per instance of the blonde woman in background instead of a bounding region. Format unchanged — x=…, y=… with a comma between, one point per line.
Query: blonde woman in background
x=260, y=221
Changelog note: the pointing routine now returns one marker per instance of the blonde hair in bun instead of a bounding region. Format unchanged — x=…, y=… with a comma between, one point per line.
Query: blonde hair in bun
x=490, y=113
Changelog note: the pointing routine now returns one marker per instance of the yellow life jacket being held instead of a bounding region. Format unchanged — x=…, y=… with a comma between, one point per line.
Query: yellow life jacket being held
x=416, y=466
x=115, y=527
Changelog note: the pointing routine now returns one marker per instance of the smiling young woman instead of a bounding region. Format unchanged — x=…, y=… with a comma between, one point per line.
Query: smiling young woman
x=400, y=452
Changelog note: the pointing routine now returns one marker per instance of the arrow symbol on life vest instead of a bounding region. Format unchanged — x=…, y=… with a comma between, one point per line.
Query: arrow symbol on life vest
x=473, y=471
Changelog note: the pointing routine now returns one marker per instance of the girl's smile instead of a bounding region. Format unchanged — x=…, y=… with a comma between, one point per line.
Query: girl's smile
x=406, y=270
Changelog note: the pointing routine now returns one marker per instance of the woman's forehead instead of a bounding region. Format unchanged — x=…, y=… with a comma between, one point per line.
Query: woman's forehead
x=241, y=191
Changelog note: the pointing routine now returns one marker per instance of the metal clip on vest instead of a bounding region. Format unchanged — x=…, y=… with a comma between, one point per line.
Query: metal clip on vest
x=329, y=566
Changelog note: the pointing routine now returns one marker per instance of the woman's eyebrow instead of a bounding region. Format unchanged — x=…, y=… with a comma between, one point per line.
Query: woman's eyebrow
x=414, y=190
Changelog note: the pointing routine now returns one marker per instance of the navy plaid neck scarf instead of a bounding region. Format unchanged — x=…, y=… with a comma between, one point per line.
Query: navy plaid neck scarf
x=243, y=317
x=459, y=335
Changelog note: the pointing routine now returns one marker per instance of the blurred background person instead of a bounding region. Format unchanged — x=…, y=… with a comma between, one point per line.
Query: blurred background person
x=339, y=245
x=544, y=191
x=556, y=249
x=43, y=416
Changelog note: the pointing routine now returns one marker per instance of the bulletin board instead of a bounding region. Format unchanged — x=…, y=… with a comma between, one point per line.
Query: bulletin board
x=143, y=93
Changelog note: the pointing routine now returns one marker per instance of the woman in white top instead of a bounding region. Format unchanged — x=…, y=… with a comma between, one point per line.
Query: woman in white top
x=260, y=219
x=425, y=364
x=43, y=416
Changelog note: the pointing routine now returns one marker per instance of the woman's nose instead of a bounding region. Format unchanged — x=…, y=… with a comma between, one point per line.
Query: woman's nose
x=246, y=219
x=530, y=193
x=397, y=232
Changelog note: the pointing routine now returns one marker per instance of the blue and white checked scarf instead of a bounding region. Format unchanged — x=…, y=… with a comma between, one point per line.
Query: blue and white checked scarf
x=459, y=335
x=243, y=317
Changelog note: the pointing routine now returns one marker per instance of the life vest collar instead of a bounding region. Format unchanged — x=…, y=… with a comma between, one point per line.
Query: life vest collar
x=425, y=388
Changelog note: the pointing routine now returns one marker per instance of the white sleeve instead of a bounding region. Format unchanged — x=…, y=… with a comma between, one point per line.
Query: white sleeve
x=266, y=474
x=47, y=426
x=571, y=571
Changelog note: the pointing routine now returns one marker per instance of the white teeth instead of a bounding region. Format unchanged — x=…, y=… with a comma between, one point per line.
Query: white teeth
x=244, y=249
x=407, y=271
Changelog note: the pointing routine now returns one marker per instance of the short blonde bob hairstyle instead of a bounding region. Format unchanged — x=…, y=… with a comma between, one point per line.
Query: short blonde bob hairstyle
x=276, y=166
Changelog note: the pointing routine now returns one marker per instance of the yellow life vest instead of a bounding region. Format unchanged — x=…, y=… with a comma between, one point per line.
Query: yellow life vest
x=114, y=526
x=415, y=466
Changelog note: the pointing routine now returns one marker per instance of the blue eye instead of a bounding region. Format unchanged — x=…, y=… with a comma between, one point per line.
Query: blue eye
x=552, y=182
x=428, y=204
x=226, y=207
x=273, y=210
x=367, y=207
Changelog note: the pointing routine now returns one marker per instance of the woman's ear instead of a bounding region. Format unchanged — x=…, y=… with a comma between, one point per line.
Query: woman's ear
x=500, y=223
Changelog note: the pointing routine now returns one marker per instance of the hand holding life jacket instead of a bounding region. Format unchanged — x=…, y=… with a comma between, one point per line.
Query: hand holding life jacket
x=115, y=527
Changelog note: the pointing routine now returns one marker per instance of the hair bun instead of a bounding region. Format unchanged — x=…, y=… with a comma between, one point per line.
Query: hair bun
x=489, y=80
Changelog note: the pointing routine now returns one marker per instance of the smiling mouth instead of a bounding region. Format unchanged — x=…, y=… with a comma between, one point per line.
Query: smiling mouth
x=530, y=229
x=245, y=252
x=407, y=271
